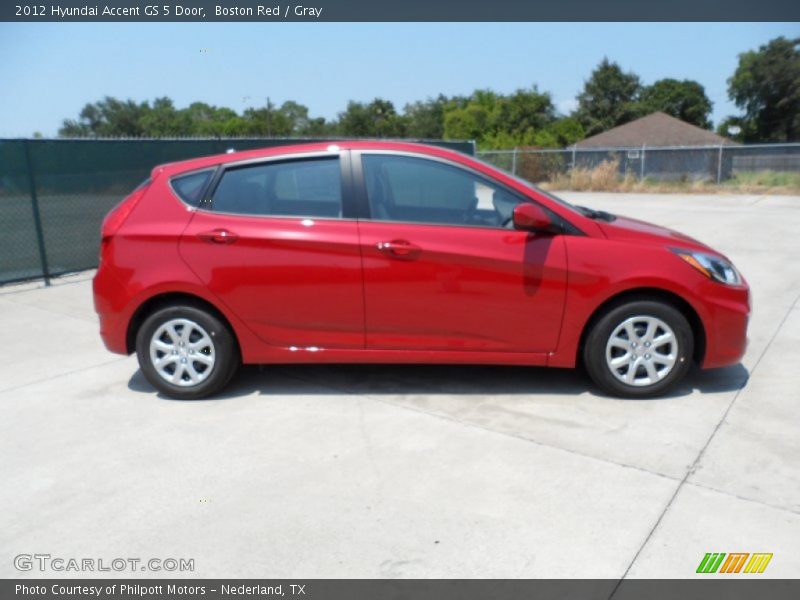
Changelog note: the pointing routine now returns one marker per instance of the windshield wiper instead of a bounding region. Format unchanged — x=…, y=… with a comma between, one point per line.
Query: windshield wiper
x=599, y=215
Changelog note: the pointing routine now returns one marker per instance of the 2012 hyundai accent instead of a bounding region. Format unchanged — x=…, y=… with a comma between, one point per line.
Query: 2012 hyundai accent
x=385, y=252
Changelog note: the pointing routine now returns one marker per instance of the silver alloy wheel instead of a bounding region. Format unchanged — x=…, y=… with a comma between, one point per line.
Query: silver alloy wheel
x=182, y=352
x=641, y=351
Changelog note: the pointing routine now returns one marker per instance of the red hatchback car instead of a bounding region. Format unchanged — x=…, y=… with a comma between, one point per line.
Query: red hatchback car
x=384, y=252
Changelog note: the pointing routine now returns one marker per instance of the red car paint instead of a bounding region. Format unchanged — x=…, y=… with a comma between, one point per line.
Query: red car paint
x=300, y=289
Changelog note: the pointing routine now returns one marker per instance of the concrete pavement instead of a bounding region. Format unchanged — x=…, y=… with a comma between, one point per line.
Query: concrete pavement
x=403, y=471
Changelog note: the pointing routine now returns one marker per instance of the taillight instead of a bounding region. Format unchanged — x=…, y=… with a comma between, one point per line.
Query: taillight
x=116, y=217
x=121, y=211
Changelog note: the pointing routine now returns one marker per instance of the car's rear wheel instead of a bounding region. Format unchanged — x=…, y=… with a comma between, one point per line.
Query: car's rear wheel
x=186, y=352
x=639, y=349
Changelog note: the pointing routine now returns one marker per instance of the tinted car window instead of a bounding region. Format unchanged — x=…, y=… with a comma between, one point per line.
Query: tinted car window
x=190, y=187
x=402, y=188
x=303, y=188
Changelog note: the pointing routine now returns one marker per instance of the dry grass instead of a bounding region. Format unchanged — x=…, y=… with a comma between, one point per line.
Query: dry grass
x=606, y=178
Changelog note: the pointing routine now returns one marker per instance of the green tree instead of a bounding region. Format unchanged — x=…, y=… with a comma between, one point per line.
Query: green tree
x=499, y=121
x=267, y=121
x=766, y=85
x=685, y=100
x=468, y=123
x=112, y=117
x=163, y=120
x=565, y=132
x=319, y=127
x=109, y=118
x=610, y=97
x=376, y=119
x=207, y=120
x=296, y=115
x=524, y=112
x=425, y=118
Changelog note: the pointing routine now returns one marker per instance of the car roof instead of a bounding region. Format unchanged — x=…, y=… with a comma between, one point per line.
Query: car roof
x=307, y=148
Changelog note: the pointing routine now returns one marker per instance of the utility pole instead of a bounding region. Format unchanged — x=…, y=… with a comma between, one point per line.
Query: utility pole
x=269, y=117
x=641, y=172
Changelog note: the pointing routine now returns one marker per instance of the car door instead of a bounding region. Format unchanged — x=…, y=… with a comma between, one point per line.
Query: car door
x=275, y=242
x=443, y=267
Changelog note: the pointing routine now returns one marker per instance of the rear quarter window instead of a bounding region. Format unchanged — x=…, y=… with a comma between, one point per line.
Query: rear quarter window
x=190, y=188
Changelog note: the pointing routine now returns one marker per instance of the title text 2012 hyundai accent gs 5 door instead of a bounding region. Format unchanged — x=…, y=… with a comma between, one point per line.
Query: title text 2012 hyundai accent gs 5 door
x=381, y=252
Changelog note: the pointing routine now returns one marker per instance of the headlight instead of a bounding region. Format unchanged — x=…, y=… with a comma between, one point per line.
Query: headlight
x=713, y=267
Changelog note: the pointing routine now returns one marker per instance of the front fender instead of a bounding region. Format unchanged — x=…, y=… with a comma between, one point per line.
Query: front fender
x=598, y=274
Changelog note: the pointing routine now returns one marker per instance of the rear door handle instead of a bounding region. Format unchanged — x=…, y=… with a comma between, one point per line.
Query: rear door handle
x=218, y=236
x=402, y=249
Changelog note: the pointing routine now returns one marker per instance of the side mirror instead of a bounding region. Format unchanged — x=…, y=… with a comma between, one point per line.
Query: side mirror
x=530, y=217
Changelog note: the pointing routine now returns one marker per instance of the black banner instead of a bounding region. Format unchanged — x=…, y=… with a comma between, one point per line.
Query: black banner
x=738, y=588
x=402, y=10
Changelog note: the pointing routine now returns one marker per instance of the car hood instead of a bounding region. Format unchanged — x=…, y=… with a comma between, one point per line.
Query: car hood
x=633, y=230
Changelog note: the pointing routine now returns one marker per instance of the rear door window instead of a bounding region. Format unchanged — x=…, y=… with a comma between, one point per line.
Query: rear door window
x=302, y=188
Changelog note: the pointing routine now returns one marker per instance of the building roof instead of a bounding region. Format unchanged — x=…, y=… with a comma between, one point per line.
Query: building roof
x=654, y=130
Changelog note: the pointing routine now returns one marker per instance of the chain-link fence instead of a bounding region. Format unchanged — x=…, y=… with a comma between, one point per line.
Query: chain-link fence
x=55, y=193
x=714, y=164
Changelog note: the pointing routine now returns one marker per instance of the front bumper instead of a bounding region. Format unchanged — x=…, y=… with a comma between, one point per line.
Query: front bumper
x=726, y=315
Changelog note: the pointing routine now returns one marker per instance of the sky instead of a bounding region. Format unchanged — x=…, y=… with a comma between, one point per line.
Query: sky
x=49, y=71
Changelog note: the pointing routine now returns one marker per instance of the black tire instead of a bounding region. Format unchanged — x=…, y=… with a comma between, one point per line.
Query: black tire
x=594, y=349
x=225, y=348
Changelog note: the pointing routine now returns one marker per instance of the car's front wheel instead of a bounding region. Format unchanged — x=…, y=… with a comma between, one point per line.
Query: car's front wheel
x=639, y=349
x=186, y=352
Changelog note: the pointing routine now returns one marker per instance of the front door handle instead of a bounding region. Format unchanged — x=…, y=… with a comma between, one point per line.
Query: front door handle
x=218, y=236
x=401, y=249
